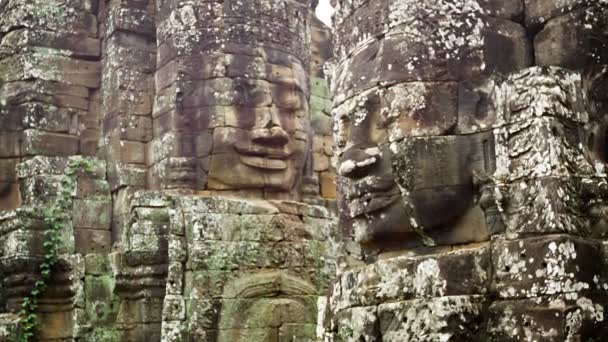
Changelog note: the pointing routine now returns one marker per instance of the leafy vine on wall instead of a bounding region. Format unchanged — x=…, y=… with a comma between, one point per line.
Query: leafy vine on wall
x=57, y=217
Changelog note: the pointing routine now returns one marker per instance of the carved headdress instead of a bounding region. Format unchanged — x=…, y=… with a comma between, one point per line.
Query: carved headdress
x=275, y=25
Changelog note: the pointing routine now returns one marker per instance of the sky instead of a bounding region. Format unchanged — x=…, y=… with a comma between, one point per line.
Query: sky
x=324, y=12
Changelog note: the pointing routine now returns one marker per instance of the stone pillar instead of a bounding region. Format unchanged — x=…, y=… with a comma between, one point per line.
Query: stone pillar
x=49, y=80
x=129, y=62
x=48, y=76
x=232, y=89
x=65, y=311
x=471, y=170
x=141, y=267
x=320, y=174
x=250, y=270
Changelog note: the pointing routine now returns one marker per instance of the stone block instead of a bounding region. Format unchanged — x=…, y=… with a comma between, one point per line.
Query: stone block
x=132, y=152
x=10, y=196
x=320, y=162
x=551, y=319
x=203, y=314
x=47, y=117
x=92, y=214
x=572, y=40
x=507, y=9
x=89, y=140
x=52, y=93
x=177, y=173
x=129, y=127
x=450, y=318
x=227, y=255
x=289, y=332
x=97, y=264
x=9, y=326
x=175, y=274
x=146, y=310
x=47, y=67
x=77, y=17
x=134, y=51
x=327, y=182
x=459, y=273
x=23, y=243
x=547, y=265
x=245, y=227
x=101, y=304
x=174, y=308
x=38, y=142
x=93, y=241
x=8, y=170
x=159, y=215
x=130, y=20
x=122, y=175
x=538, y=12
x=506, y=47
x=94, y=189
x=546, y=206
x=67, y=43
x=56, y=325
x=435, y=174
x=357, y=324
x=171, y=144
x=252, y=313
x=10, y=144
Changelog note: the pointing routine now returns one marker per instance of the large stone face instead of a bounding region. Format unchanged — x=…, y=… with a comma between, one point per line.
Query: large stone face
x=234, y=100
x=184, y=105
x=471, y=170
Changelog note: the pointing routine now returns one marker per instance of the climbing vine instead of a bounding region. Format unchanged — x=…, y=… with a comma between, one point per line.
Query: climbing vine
x=57, y=220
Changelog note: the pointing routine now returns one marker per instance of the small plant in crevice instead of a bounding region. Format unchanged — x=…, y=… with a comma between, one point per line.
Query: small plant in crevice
x=57, y=220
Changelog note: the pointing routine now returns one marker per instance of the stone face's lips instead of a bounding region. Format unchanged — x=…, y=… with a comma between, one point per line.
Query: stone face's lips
x=369, y=185
x=371, y=202
x=264, y=163
x=264, y=158
x=370, y=194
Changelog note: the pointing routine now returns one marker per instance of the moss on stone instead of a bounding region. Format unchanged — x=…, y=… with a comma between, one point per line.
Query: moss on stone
x=103, y=335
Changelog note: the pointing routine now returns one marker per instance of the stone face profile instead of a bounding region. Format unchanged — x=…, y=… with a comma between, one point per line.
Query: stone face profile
x=406, y=167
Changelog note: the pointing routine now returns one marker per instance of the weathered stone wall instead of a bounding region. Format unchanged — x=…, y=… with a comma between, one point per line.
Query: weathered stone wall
x=50, y=74
x=162, y=93
x=470, y=143
x=323, y=169
x=69, y=305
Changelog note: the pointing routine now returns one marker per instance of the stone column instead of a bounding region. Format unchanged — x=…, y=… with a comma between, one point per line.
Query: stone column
x=471, y=176
x=49, y=80
x=48, y=77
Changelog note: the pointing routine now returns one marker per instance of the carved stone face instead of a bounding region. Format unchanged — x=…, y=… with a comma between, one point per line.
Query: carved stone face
x=370, y=200
x=403, y=182
x=263, y=139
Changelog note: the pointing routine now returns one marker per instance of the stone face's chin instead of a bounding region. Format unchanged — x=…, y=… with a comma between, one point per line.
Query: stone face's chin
x=390, y=221
x=236, y=171
x=370, y=203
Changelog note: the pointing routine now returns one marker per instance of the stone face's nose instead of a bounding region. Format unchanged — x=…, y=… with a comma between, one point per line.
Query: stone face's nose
x=274, y=136
x=358, y=162
x=269, y=131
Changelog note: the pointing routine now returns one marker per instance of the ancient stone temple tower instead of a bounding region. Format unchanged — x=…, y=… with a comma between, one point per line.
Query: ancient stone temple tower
x=471, y=138
x=168, y=171
x=165, y=170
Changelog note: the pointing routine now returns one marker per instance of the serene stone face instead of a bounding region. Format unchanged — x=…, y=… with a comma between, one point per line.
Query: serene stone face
x=394, y=183
x=264, y=141
x=369, y=196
